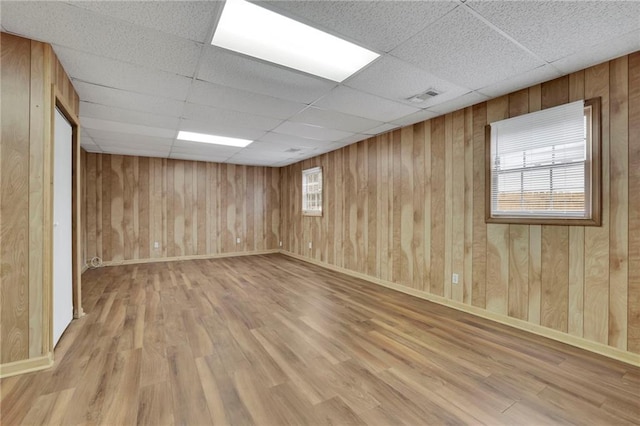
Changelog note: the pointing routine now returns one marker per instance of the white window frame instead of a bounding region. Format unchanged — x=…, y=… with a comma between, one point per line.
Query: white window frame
x=592, y=187
x=312, y=191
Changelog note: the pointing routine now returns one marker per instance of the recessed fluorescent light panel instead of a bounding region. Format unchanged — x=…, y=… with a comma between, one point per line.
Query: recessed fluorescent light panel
x=261, y=33
x=213, y=139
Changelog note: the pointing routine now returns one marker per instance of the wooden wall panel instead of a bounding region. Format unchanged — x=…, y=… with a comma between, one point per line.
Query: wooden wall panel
x=188, y=207
x=14, y=197
x=479, y=235
x=437, y=220
x=418, y=196
x=29, y=74
x=37, y=95
x=596, y=239
x=633, y=330
x=497, y=287
x=618, y=202
x=576, y=242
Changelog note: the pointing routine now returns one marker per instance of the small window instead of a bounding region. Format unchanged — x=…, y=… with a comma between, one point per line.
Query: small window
x=312, y=192
x=544, y=167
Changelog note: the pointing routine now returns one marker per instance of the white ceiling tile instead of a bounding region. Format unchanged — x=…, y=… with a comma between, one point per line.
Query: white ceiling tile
x=160, y=152
x=205, y=149
x=126, y=143
x=383, y=128
x=132, y=64
x=353, y=139
x=465, y=51
x=187, y=19
x=351, y=101
x=119, y=127
x=311, y=132
x=338, y=145
x=293, y=141
x=463, y=101
x=215, y=95
x=378, y=25
x=127, y=139
x=402, y=81
x=87, y=143
x=66, y=25
x=259, y=162
x=599, y=53
x=256, y=155
x=335, y=120
x=107, y=72
x=277, y=152
x=555, y=29
x=199, y=157
x=529, y=78
x=128, y=100
x=220, y=129
x=225, y=117
x=415, y=117
x=230, y=69
x=105, y=112
x=91, y=148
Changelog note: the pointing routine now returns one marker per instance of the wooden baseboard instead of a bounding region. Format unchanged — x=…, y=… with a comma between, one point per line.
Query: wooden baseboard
x=192, y=257
x=26, y=366
x=599, y=348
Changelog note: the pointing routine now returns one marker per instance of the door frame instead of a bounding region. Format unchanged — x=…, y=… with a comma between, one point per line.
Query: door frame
x=59, y=101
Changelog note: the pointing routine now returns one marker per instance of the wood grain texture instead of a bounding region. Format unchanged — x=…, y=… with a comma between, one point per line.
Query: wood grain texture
x=497, y=270
x=298, y=344
x=618, y=202
x=437, y=222
x=37, y=93
x=479, y=242
x=576, y=241
x=28, y=69
x=633, y=330
x=14, y=197
x=580, y=280
x=596, y=239
x=189, y=208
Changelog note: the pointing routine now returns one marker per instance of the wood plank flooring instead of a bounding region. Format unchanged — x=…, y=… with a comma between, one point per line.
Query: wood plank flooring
x=269, y=340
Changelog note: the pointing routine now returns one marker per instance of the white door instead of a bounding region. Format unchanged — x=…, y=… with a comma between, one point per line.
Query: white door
x=62, y=265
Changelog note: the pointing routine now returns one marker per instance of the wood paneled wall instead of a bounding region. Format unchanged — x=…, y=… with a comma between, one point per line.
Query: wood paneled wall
x=408, y=207
x=189, y=207
x=30, y=70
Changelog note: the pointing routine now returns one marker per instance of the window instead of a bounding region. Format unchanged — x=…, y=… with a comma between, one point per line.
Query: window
x=312, y=192
x=544, y=167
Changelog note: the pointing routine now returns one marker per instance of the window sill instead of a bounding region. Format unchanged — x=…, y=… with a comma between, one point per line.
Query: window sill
x=544, y=221
x=316, y=214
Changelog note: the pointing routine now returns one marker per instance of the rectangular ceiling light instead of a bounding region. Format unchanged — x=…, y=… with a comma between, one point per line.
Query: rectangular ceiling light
x=261, y=33
x=213, y=139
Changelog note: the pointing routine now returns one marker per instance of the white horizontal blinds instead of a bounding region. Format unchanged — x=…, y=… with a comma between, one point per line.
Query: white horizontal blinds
x=538, y=163
x=312, y=190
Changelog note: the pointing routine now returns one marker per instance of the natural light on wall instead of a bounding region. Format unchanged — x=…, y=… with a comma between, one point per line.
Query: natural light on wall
x=213, y=139
x=261, y=33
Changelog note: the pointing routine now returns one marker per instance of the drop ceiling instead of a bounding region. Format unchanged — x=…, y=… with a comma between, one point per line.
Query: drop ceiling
x=145, y=70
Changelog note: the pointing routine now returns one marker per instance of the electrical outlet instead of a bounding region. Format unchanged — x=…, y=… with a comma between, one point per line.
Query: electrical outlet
x=280, y=243
x=156, y=245
x=454, y=278
x=238, y=240
x=309, y=244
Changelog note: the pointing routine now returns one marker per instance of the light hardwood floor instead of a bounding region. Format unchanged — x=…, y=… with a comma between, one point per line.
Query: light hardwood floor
x=269, y=340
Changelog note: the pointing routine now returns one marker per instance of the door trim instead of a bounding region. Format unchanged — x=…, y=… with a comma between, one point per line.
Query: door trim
x=59, y=101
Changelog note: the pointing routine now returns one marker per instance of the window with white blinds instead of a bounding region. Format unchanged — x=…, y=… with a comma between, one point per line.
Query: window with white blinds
x=542, y=166
x=312, y=192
